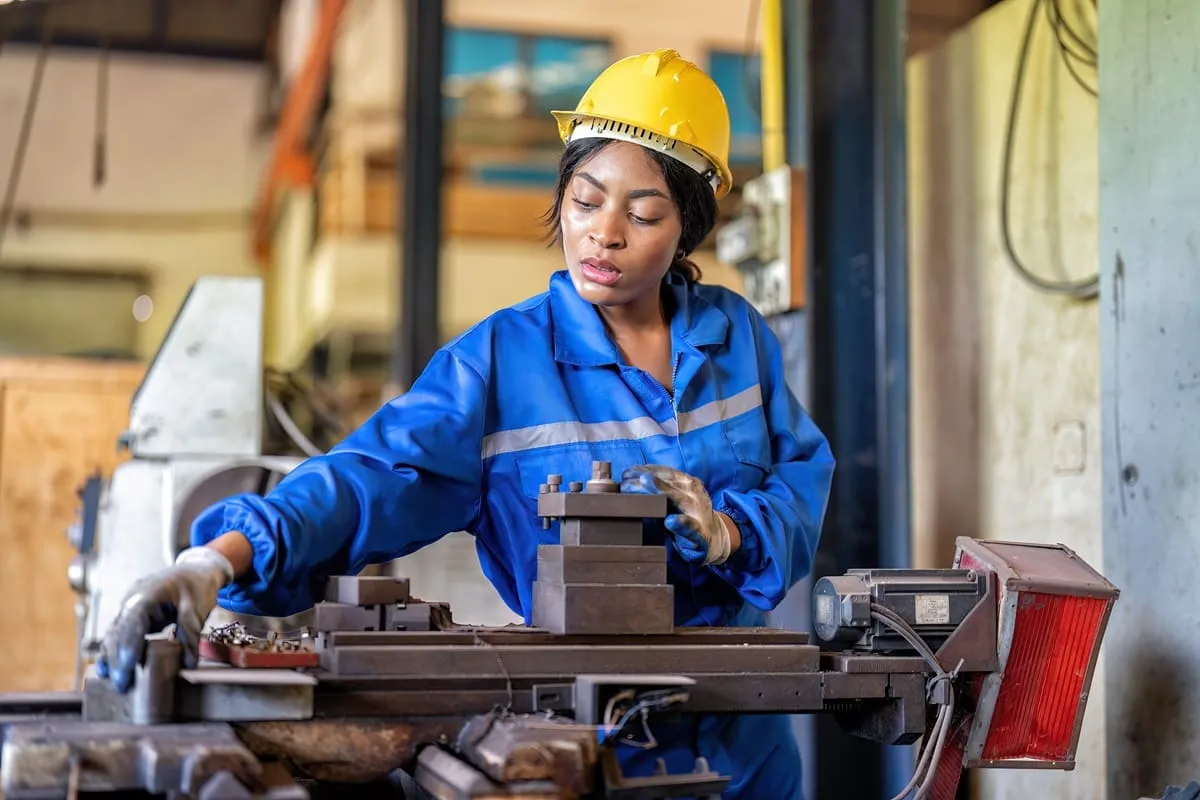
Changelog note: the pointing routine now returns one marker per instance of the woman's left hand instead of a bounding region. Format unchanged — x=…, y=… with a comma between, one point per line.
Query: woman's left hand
x=702, y=535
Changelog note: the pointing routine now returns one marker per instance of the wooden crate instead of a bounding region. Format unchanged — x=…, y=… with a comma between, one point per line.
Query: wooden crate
x=59, y=423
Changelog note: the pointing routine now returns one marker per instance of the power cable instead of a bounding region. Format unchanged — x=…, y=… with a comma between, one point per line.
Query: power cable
x=1085, y=289
x=935, y=741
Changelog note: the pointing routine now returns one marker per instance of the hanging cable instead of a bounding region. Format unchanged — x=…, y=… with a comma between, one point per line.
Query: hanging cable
x=1085, y=289
x=100, y=143
x=1073, y=48
x=18, y=162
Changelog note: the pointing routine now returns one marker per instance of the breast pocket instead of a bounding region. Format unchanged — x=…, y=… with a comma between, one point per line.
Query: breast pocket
x=749, y=441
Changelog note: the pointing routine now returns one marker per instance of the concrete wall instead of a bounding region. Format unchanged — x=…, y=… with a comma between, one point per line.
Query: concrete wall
x=183, y=162
x=1150, y=265
x=1006, y=404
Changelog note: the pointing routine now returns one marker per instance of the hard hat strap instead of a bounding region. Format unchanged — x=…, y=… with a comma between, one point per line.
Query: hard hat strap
x=599, y=128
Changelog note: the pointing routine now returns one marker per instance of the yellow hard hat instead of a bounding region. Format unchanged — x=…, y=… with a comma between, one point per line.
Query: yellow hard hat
x=662, y=101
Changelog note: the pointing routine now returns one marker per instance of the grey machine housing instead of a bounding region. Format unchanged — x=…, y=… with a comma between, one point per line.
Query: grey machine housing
x=195, y=436
x=933, y=602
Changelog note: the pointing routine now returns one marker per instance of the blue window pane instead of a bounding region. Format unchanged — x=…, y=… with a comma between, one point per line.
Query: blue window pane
x=475, y=57
x=738, y=77
x=562, y=68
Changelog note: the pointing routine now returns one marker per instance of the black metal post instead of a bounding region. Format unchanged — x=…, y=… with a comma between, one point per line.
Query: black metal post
x=420, y=183
x=860, y=322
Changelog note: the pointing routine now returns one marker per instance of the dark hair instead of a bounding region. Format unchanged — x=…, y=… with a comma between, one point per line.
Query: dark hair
x=692, y=194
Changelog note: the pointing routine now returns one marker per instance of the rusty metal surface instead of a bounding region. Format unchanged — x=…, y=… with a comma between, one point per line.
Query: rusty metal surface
x=519, y=749
x=1027, y=566
x=346, y=750
x=447, y=777
x=44, y=758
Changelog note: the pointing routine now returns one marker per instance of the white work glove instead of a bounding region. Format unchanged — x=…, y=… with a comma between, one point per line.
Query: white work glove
x=700, y=533
x=184, y=594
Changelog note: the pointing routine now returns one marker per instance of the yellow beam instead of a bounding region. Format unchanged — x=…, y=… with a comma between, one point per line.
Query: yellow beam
x=774, y=141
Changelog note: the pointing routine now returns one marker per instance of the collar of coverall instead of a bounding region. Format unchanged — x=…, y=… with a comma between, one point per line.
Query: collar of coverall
x=580, y=337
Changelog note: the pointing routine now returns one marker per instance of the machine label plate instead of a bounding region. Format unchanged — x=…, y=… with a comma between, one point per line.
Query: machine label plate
x=932, y=609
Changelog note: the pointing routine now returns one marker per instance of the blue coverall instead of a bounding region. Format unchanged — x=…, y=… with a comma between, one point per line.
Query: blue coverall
x=539, y=388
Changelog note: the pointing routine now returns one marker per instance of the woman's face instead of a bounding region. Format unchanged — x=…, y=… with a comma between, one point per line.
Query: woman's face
x=620, y=228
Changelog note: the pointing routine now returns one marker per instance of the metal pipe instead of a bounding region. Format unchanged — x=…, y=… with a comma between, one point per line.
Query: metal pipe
x=420, y=178
x=774, y=144
x=860, y=318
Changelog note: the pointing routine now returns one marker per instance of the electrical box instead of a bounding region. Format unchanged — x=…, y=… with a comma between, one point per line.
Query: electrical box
x=767, y=241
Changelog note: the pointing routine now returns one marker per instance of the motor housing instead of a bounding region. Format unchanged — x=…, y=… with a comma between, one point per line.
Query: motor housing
x=933, y=602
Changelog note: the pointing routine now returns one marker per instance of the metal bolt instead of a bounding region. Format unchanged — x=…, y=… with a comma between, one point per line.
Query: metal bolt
x=575, y=486
x=554, y=481
x=602, y=478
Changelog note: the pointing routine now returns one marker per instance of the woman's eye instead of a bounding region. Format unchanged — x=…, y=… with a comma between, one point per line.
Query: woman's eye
x=642, y=220
x=583, y=204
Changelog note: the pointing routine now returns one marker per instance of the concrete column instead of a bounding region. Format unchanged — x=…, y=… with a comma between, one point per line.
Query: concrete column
x=1150, y=381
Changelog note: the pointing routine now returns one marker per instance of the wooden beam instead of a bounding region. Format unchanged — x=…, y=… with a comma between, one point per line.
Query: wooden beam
x=291, y=163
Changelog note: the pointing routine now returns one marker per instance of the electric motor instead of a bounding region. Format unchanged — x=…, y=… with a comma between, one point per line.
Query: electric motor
x=932, y=601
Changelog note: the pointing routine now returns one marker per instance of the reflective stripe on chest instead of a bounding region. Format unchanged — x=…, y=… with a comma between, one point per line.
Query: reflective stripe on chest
x=573, y=432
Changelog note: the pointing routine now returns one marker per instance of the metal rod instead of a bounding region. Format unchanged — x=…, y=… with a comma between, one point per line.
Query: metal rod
x=420, y=180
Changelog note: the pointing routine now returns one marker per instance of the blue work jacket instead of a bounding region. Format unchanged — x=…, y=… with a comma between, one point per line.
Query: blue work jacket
x=539, y=388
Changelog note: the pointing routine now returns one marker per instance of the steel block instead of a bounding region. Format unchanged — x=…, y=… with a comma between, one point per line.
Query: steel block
x=605, y=505
x=624, y=565
x=411, y=617
x=366, y=590
x=603, y=608
x=345, y=617
x=600, y=532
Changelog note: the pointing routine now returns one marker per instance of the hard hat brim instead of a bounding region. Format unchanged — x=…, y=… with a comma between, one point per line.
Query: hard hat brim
x=567, y=119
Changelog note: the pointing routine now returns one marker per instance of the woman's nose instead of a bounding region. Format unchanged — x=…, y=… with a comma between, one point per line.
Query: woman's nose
x=606, y=231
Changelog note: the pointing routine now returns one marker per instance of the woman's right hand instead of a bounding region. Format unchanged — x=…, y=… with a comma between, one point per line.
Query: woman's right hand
x=184, y=594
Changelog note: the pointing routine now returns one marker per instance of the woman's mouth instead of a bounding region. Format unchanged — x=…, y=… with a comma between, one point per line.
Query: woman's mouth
x=596, y=270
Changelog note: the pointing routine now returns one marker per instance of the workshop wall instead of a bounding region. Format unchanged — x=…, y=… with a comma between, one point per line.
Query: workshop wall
x=183, y=159
x=1005, y=389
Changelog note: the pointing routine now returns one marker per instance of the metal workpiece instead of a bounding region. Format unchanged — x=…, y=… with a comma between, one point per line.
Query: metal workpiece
x=367, y=590
x=603, y=505
x=600, y=608
x=586, y=532
x=390, y=617
x=566, y=563
x=594, y=582
x=599, y=498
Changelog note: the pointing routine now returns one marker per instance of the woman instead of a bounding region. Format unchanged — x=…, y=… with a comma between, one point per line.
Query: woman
x=627, y=359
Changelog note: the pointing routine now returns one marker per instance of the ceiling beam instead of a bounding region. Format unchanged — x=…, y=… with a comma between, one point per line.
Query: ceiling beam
x=291, y=162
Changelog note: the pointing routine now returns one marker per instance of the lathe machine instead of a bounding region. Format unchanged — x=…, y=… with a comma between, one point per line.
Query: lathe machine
x=990, y=662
